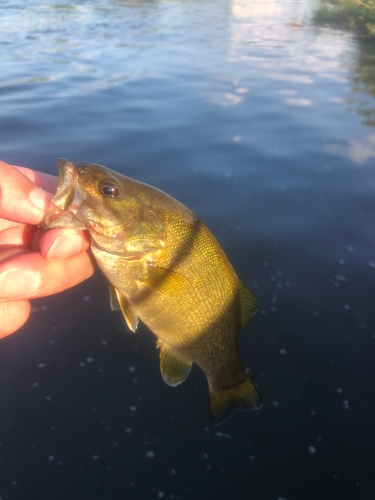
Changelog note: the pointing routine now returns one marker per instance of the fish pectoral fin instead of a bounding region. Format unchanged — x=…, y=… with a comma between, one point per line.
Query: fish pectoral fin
x=118, y=301
x=174, y=368
x=113, y=298
x=249, y=304
x=243, y=396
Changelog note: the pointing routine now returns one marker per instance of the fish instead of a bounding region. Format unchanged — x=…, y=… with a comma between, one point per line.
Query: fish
x=166, y=269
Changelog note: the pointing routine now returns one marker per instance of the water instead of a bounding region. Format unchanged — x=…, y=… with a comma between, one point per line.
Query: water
x=265, y=131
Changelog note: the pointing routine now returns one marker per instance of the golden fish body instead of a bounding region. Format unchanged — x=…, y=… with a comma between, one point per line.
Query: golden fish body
x=166, y=268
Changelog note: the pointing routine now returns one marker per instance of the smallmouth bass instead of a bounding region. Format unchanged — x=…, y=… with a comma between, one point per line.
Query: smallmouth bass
x=167, y=269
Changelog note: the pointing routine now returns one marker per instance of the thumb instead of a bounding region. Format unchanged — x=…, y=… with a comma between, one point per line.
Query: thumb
x=13, y=315
x=20, y=199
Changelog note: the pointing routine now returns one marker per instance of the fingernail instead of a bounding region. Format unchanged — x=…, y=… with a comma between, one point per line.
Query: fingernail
x=15, y=284
x=41, y=199
x=64, y=246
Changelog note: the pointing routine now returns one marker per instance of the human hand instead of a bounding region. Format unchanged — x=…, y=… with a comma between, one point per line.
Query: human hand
x=34, y=263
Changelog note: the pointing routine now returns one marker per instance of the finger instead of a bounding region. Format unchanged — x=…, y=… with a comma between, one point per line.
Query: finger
x=45, y=181
x=20, y=235
x=11, y=253
x=29, y=275
x=6, y=224
x=54, y=244
x=57, y=244
x=13, y=315
x=20, y=199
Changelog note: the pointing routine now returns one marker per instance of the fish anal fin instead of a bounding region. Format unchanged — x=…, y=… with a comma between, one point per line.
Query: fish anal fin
x=174, y=368
x=249, y=304
x=243, y=396
x=118, y=301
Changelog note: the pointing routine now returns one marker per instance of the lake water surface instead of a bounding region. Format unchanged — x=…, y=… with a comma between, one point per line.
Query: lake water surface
x=263, y=129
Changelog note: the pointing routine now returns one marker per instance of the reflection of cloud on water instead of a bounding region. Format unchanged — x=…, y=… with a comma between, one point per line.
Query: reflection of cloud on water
x=298, y=101
x=255, y=9
x=280, y=53
x=330, y=76
x=262, y=46
x=226, y=92
x=357, y=151
x=283, y=77
x=253, y=58
x=295, y=59
x=294, y=101
x=338, y=100
x=225, y=99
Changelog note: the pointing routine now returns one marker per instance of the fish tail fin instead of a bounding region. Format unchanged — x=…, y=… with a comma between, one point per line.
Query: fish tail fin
x=243, y=396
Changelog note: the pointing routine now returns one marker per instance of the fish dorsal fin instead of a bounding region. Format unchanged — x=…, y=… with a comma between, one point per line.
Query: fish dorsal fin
x=118, y=301
x=249, y=304
x=174, y=368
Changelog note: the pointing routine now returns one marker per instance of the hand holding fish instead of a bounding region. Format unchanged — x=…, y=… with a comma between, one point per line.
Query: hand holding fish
x=34, y=263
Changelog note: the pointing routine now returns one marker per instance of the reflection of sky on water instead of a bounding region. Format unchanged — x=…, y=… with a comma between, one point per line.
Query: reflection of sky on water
x=357, y=151
x=285, y=55
x=258, y=36
x=91, y=47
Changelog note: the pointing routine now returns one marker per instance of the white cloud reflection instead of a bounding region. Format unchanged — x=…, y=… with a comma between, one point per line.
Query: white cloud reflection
x=245, y=9
x=294, y=78
x=225, y=99
x=287, y=92
x=262, y=36
x=298, y=101
x=262, y=45
x=357, y=151
x=330, y=76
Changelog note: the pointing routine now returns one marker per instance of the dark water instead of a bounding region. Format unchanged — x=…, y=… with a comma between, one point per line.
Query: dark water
x=265, y=131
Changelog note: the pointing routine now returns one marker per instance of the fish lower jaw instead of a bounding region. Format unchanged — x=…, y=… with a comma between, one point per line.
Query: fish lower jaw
x=57, y=218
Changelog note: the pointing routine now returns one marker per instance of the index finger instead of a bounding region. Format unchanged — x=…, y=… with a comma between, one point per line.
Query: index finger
x=45, y=181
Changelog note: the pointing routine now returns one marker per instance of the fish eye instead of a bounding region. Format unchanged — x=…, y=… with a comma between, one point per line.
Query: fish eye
x=109, y=188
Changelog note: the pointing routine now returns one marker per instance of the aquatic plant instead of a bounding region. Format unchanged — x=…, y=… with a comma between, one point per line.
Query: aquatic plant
x=358, y=15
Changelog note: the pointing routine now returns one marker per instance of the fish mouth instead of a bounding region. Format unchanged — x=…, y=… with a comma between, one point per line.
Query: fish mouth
x=67, y=173
x=62, y=212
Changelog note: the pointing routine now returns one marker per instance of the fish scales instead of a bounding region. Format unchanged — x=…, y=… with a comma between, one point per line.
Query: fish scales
x=166, y=268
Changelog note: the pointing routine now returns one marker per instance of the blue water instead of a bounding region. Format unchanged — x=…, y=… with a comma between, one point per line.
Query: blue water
x=263, y=130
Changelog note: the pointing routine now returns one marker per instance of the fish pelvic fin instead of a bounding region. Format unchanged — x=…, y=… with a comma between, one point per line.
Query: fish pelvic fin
x=243, y=396
x=249, y=304
x=118, y=301
x=174, y=368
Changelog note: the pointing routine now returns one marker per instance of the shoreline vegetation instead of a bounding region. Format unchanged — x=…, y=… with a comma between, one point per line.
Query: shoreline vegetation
x=357, y=15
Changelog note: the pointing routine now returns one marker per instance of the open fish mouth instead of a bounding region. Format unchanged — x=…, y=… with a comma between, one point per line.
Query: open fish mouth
x=67, y=174
x=62, y=213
